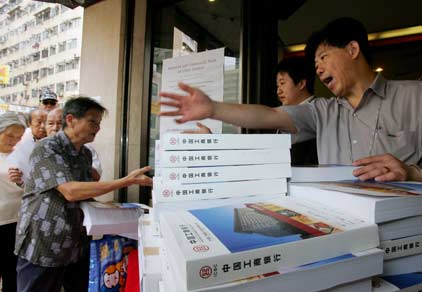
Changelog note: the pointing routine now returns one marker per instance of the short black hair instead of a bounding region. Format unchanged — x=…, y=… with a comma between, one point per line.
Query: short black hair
x=298, y=69
x=78, y=106
x=338, y=33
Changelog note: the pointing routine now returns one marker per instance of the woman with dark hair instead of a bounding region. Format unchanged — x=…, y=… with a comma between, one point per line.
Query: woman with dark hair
x=12, y=127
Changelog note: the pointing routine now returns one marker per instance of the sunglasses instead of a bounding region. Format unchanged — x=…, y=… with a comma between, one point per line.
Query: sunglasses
x=49, y=102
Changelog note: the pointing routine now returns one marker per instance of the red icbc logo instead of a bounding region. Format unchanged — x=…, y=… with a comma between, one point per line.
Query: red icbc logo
x=173, y=176
x=173, y=141
x=166, y=193
x=205, y=272
x=201, y=248
x=173, y=159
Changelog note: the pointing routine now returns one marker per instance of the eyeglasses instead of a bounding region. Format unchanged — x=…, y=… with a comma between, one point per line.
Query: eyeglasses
x=49, y=102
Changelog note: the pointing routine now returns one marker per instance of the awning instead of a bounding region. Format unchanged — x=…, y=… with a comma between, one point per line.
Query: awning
x=72, y=3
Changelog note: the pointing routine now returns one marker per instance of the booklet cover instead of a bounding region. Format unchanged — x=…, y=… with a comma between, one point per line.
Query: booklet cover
x=222, y=244
x=336, y=271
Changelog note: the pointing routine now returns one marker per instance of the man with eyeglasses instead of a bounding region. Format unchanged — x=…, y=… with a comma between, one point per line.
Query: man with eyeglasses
x=48, y=100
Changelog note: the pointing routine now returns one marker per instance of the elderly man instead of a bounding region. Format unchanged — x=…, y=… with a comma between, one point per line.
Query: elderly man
x=51, y=242
x=368, y=118
x=54, y=124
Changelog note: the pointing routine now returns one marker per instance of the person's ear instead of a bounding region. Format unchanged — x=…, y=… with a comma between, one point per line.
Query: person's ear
x=302, y=84
x=69, y=120
x=353, y=49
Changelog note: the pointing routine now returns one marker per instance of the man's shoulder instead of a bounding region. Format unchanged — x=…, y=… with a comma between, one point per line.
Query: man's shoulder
x=49, y=144
x=325, y=102
x=404, y=84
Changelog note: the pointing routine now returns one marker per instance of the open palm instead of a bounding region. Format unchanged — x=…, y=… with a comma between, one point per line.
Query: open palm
x=194, y=106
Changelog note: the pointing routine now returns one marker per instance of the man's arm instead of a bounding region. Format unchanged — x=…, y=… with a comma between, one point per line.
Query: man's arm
x=386, y=167
x=77, y=191
x=198, y=106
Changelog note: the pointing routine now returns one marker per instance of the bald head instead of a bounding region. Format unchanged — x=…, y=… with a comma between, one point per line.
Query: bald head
x=54, y=121
x=37, y=120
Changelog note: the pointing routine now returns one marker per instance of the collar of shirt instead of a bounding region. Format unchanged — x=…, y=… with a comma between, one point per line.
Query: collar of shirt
x=377, y=88
x=68, y=145
x=309, y=99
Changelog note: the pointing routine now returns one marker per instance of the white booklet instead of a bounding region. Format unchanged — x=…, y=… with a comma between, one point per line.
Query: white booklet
x=320, y=173
x=222, y=244
x=376, y=209
x=223, y=157
x=168, y=192
x=188, y=175
x=172, y=141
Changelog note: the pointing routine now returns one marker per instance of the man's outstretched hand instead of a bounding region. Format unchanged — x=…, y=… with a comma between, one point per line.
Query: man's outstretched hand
x=194, y=106
x=138, y=176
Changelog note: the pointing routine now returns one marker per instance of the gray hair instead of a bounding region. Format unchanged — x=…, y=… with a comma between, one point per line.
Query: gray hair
x=8, y=119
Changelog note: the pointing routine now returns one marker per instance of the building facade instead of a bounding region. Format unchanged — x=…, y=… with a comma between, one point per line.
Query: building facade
x=40, y=45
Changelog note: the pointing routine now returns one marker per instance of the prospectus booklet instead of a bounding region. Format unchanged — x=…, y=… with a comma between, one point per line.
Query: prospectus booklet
x=226, y=243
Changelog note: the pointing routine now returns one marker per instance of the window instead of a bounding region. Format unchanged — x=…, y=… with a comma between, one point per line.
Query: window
x=28, y=76
x=60, y=89
x=62, y=47
x=52, y=50
x=43, y=72
x=51, y=70
x=36, y=56
x=60, y=67
x=44, y=53
x=45, y=35
x=71, y=85
x=35, y=74
x=73, y=64
x=71, y=44
x=54, y=30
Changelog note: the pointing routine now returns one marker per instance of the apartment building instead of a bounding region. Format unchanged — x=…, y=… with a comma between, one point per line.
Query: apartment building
x=41, y=44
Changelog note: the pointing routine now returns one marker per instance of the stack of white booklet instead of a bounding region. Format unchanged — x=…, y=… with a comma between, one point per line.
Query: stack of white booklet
x=197, y=167
x=111, y=218
x=226, y=224
x=395, y=206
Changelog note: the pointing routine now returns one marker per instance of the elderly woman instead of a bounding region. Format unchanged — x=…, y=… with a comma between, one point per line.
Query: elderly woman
x=12, y=127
